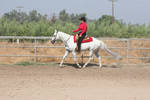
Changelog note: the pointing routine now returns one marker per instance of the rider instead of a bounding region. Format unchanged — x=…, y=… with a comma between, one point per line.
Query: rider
x=82, y=28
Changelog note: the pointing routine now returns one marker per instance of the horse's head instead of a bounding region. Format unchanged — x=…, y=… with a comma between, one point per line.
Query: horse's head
x=55, y=37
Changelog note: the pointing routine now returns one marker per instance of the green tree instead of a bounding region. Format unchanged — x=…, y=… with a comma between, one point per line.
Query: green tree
x=63, y=16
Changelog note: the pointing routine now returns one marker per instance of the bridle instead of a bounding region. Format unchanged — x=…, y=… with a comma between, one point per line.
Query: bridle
x=55, y=35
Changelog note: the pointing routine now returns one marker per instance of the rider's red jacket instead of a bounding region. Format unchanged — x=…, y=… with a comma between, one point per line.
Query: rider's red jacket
x=82, y=28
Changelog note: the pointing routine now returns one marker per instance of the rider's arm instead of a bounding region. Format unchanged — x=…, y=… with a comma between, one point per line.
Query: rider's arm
x=77, y=30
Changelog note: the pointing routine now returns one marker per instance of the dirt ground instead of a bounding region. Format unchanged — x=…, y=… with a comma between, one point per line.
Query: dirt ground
x=49, y=82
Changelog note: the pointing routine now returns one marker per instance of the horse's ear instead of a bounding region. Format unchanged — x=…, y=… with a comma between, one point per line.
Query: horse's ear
x=55, y=31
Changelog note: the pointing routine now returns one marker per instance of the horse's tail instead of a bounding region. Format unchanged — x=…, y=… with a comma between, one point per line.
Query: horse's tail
x=115, y=55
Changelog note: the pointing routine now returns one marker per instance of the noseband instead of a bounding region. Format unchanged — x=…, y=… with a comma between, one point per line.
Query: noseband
x=53, y=41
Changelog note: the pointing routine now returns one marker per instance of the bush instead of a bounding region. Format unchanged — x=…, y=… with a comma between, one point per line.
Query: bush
x=35, y=24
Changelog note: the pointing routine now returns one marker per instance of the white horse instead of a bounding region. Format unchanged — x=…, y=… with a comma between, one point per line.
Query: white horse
x=70, y=46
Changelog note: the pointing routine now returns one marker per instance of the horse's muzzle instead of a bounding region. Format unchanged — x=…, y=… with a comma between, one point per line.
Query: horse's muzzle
x=52, y=41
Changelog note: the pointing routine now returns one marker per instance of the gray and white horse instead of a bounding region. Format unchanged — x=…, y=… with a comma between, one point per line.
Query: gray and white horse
x=70, y=46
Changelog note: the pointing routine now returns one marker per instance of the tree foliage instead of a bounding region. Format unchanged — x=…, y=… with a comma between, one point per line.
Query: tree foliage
x=16, y=23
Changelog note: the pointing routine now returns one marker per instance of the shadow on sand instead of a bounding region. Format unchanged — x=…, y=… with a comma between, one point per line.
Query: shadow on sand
x=90, y=65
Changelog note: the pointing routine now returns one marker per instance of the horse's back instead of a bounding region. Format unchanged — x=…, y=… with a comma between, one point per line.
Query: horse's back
x=99, y=43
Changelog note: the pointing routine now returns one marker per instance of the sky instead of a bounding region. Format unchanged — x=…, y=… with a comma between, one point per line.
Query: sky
x=130, y=11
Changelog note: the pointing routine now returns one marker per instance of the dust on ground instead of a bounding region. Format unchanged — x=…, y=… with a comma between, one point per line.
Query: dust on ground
x=50, y=82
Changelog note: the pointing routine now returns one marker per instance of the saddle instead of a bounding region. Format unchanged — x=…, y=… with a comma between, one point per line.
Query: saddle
x=85, y=40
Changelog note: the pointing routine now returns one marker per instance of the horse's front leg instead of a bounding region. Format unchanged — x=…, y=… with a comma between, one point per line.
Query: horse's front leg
x=91, y=57
x=65, y=55
x=75, y=58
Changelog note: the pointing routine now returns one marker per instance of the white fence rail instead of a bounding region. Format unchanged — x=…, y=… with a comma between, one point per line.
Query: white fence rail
x=126, y=48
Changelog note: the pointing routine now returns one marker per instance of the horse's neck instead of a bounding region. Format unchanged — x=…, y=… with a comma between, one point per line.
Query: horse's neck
x=64, y=37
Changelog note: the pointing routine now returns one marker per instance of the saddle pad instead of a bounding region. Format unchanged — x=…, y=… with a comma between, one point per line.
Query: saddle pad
x=85, y=40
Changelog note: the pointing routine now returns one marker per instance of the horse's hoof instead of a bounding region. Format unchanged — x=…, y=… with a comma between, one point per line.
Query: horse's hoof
x=61, y=66
x=79, y=67
x=83, y=66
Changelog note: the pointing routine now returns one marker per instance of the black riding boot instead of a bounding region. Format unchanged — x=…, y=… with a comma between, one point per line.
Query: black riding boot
x=80, y=41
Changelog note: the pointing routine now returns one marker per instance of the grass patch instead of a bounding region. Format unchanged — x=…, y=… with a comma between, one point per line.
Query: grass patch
x=33, y=63
x=24, y=63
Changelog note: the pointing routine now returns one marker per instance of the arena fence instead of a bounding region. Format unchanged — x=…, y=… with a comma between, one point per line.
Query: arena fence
x=133, y=50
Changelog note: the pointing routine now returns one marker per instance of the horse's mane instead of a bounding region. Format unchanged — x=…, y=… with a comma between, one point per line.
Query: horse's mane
x=65, y=33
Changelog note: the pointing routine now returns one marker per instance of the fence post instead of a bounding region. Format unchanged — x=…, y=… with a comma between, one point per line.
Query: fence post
x=35, y=50
x=82, y=58
x=17, y=41
x=128, y=48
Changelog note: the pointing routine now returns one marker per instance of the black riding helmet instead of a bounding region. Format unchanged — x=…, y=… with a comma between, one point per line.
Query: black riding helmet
x=83, y=19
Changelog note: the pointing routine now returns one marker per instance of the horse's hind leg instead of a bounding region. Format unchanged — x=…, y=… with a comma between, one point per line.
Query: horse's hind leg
x=65, y=55
x=91, y=57
x=99, y=59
